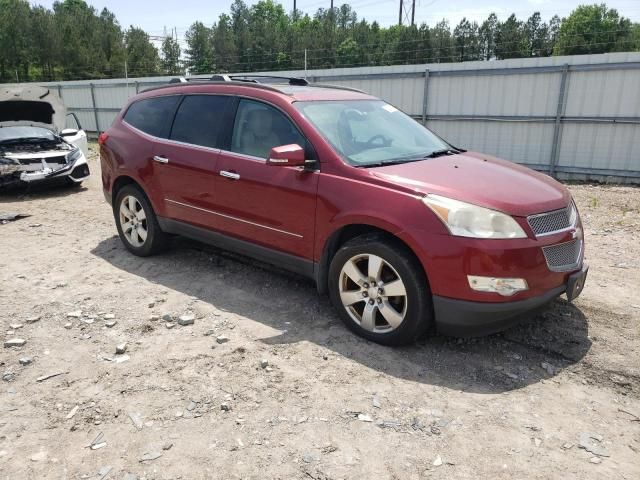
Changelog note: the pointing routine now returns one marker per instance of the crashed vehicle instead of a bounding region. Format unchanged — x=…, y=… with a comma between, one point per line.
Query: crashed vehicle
x=35, y=146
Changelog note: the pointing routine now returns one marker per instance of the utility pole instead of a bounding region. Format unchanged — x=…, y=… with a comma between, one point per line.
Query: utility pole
x=405, y=15
x=413, y=13
x=294, y=9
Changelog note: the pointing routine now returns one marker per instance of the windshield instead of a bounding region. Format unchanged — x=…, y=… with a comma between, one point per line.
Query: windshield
x=35, y=134
x=371, y=132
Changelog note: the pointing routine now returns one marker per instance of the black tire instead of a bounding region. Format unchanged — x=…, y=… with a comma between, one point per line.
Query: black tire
x=418, y=316
x=156, y=239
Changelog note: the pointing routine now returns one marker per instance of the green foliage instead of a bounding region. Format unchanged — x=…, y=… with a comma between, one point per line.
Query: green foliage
x=171, y=63
x=511, y=40
x=73, y=41
x=141, y=53
x=487, y=34
x=200, y=50
x=347, y=53
x=467, y=41
x=224, y=44
x=594, y=29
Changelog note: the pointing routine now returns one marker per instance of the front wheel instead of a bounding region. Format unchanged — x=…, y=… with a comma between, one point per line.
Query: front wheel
x=380, y=290
x=137, y=223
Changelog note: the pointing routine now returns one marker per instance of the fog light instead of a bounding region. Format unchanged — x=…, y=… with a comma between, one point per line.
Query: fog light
x=504, y=286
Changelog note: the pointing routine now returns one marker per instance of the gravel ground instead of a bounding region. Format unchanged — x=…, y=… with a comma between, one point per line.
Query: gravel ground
x=267, y=383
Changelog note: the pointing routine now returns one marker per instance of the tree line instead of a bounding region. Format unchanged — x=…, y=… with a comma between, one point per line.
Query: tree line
x=75, y=41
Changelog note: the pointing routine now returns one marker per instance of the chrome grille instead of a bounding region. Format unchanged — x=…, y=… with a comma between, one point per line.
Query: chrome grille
x=563, y=256
x=551, y=222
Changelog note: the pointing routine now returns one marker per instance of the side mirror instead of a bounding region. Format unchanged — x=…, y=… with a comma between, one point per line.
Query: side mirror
x=68, y=132
x=287, y=156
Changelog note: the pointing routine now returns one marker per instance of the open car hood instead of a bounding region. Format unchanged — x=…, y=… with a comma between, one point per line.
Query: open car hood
x=32, y=105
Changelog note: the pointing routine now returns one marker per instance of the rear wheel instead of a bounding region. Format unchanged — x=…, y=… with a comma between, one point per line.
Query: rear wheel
x=137, y=223
x=380, y=291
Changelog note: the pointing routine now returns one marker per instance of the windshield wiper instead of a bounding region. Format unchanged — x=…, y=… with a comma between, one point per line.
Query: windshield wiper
x=440, y=153
x=397, y=161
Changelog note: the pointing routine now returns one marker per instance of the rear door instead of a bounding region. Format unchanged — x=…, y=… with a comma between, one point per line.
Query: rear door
x=184, y=164
x=269, y=205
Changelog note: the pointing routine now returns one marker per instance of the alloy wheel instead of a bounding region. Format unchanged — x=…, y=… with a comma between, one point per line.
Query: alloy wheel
x=133, y=221
x=373, y=293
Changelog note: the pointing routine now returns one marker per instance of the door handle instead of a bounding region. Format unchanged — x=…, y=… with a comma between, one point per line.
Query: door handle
x=231, y=175
x=159, y=159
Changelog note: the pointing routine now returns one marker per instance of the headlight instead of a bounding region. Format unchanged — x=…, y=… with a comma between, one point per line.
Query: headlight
x=573, y=214
x=467, y=220
x=74, y=155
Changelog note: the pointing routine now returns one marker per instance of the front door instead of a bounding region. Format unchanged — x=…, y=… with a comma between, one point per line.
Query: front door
x=270, y=205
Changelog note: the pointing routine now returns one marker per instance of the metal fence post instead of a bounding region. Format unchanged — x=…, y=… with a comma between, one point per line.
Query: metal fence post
x=424, y=98
x=555, y=146
x=137, y=87
x=95, y=108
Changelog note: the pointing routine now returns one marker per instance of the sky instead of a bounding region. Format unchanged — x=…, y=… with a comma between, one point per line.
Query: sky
x=156, y=15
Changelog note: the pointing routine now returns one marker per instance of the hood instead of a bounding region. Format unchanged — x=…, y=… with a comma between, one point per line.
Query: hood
x=482, y=180
x=32, y=105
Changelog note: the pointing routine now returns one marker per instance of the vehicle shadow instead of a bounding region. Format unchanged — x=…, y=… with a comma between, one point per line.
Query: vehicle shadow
x=51, y=189
x=539, y=348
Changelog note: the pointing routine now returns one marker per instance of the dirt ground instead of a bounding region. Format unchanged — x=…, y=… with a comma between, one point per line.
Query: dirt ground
x=292, y=394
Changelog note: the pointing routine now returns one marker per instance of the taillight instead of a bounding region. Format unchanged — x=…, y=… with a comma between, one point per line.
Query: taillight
x=102, y=138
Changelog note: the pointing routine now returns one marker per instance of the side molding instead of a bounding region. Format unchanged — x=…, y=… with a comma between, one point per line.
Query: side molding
x=287, y=261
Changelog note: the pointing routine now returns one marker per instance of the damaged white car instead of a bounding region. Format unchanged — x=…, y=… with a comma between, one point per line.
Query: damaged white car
x=35, y=146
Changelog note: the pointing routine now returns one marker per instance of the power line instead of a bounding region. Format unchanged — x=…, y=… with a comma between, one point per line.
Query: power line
x=545, y=13
x=239, y=66
x=419, y=40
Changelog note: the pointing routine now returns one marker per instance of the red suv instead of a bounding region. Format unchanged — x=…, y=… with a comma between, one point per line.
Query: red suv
x=404, y=231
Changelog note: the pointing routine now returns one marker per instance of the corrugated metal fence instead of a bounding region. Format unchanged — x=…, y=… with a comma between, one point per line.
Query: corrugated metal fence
x=574, y=117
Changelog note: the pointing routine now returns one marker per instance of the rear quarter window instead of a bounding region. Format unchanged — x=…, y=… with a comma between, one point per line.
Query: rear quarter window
x=153, y=115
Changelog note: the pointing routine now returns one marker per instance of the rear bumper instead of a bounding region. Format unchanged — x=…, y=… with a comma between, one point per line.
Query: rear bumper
x=464, y=318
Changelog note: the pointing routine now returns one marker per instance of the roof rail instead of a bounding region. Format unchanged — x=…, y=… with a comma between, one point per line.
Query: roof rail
x=298, y=81
x=190, y=79
x=244, y=78
x=183, y=82
x=266, y=82
x=336, y=87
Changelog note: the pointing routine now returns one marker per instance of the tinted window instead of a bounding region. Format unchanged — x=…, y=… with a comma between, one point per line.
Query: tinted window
x=200, y=119
x=153, y=115
x=259, y=127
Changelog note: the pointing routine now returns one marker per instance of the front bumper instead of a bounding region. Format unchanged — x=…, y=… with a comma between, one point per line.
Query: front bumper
x=76, y=171
x=467, y=318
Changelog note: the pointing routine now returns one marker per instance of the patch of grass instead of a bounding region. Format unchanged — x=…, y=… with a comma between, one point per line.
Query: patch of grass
x=627, y=209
